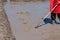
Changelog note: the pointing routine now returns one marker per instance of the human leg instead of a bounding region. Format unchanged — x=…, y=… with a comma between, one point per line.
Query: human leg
x=53, y=17
x=58, y=16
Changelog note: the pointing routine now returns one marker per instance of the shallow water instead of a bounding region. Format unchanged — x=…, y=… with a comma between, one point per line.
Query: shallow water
x=35, y=11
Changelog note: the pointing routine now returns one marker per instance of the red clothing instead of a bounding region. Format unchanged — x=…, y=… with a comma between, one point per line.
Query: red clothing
x=52, y=4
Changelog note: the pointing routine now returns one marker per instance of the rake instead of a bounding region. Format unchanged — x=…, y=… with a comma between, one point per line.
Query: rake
x=38, y=25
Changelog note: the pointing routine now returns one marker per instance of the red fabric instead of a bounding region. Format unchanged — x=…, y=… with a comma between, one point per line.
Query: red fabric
x=52, y=4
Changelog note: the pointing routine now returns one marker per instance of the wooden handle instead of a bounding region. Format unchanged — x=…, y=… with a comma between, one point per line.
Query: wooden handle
x=50, y=12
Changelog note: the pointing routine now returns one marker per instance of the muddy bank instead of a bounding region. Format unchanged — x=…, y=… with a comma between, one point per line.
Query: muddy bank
x=25, y=0
x=29, y=0
x=5, y=27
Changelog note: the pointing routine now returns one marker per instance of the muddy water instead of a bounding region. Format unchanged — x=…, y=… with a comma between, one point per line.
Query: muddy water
x=25, y=16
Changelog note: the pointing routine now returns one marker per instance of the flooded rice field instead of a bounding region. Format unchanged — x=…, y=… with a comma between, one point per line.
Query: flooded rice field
x=24, y=16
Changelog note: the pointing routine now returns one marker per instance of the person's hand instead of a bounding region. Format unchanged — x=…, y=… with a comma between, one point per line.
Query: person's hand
x=58, y=3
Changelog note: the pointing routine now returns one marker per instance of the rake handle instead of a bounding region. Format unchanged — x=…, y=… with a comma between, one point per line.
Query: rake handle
x=50, y=12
